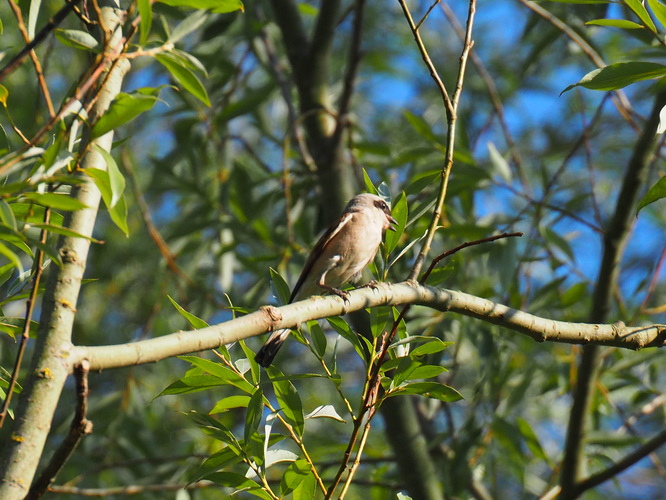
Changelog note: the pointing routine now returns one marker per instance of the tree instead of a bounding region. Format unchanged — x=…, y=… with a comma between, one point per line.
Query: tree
x=255, y=126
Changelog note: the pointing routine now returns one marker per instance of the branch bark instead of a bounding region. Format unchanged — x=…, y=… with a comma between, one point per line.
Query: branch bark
x=271, y=318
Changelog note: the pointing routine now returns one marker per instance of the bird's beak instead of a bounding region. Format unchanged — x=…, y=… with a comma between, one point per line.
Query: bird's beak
x=393, y=223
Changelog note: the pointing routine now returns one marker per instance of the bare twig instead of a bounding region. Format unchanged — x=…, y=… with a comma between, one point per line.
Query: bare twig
x=451, y=106
x=39, y=38
x=79, y=428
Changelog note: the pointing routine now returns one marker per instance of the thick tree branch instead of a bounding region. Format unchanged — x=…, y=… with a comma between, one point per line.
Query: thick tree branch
x=271, y=318
x=615, y=238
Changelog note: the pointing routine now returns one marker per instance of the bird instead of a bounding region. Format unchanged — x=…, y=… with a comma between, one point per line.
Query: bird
x=339, y=257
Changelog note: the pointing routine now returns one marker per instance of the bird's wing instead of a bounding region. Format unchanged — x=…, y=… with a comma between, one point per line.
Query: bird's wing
x=318, y=250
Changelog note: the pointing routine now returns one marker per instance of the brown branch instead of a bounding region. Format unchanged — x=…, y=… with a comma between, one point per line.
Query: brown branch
x=80, y=427
x=39, y=38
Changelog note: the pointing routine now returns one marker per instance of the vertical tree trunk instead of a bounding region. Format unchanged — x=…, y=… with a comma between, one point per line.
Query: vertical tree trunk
x=50, y=366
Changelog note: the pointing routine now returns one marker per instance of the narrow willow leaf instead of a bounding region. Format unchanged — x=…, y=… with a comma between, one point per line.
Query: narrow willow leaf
x=294, y=476
x=616, y=23
x=185, y=76
x=255, y=410
x=639, y=9
x=656, y=192
x=239, y=483
x=619, y=75
x=400, y=212
x=433, y=390
x=55, y=200
x=118, y=213
x=325, y=411
x=123, y=109
x=220, y=371
x=279, y=286
x=12, y=257
x=33, y=13
x=194, y=321
x=64, y=231
x=146, y=13
x=116, y=179
x=77, y=39
x=659, y=10
x=288, y=399
x=191, y=23
x=225, y=404
x=217, y=6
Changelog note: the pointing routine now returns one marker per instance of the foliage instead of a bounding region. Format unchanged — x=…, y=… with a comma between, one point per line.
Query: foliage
x=213, y=196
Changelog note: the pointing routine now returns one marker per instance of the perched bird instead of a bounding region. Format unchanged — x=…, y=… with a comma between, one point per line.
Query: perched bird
x=339, y=257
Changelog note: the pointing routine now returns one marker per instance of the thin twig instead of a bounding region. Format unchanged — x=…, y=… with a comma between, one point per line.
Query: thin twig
x=39, y=38
x=80, y=427
x=451, y=106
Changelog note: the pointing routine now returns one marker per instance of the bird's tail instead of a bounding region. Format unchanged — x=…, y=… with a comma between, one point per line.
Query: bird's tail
x=268, y=351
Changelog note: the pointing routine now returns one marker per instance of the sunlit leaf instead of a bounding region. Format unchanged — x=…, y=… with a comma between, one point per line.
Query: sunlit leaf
x=193, y=320
x=123, y=109
x=288, y=400
x=185, y=76
x=656, y=192
x=77, y=39
x=294, y=476
x=55, y=200
x=619, y=75
x=217, y=6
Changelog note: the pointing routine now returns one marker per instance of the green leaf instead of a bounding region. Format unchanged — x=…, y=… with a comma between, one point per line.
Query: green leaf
x=116, y=179
x=279, y=286
x=185, y=76
x=65, y=232
x=294, y=476
x=123, y=109
x=639, y=9
x=432, y=390
x=532, y=440
x=77, y=39
x=217, y=6
x=7, y=215
x=421, y=127
x=55, y=200
x=341, y=326
x=255, y=410
x=193, y=320
x=118, y=213
x=222, y=372
x=369, y=185
x=288, y=399
x=307, y=489
x=191, y=23
x=31, y=214
x=318, y=338
x=616, y=23
x=619, y=75
x=221, y=460
x=146, y=13
x=656, y=192
x=12, y=257
x=239, y=483
x=400, y=212
x=229, y=402
x=659, y=10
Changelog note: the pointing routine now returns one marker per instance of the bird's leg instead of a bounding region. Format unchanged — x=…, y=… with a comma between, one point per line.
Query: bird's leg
x=340, y=293
x=374, y=284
